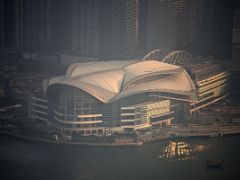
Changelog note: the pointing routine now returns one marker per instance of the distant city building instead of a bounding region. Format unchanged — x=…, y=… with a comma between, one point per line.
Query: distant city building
x=201, y=27
x=116, y=29
x=94, y=28
x=236, y=37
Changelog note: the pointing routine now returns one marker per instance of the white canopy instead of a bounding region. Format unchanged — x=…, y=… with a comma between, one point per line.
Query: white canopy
x=111, y=80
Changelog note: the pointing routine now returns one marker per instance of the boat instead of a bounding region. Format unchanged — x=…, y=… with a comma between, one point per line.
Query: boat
x=214, y=164
x=214, y=135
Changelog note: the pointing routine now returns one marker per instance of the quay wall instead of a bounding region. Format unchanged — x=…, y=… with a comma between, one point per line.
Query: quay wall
x=164, y=133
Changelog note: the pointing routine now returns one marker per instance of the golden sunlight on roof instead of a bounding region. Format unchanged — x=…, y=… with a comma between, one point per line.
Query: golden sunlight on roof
x=111, y=80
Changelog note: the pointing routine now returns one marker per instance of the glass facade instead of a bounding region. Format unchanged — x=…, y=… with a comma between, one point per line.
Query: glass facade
x=214, y=87
x=75, y=111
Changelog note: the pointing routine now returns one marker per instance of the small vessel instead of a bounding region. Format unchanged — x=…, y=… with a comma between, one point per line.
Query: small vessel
x=214, y=135
x=214, y=164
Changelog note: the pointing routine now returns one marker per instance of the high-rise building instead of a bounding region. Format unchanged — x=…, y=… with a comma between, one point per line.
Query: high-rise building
x=114, y=29
x=201, y=27
x=94, y=28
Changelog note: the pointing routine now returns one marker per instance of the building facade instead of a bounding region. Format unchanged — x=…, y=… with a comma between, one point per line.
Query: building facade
x=92, y=28
x=116, y=96
x=105, y=97
x=212, y=83
x=116, y=29
x=212, y=80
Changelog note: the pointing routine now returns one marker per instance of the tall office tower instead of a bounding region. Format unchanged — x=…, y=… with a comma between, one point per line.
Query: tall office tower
x=160, y=25
x=6, y=23
x=188, y=17
x=107, y=29
x=116, y=29
x=85, y=27
x=236, y=37
x=2, y=23
x=235, y=69
x=59, y=26
x=201, y=27
x=119, y=30
x=42, y=26
x=218, y=28
x=204, y=27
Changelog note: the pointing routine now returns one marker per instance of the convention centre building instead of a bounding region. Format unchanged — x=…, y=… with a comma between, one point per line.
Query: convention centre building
x=105, y=97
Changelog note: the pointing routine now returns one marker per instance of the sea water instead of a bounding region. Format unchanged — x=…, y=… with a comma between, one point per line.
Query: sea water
x=181, y=158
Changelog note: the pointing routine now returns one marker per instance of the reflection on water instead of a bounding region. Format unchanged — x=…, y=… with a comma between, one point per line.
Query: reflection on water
x=180, y=150
x=33, y=161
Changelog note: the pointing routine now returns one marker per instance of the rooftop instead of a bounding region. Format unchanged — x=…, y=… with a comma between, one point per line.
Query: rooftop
x=111, y=80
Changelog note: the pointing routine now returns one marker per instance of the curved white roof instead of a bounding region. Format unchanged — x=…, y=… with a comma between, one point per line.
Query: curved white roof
x=111, y=80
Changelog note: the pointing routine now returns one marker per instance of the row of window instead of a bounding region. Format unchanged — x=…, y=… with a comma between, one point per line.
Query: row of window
x=206, y=96
x=133, y=123
x=224, y=76
x=78, y=125
x=213, y=85
x=127, y=110
x=128, y=117
x=161, y=118
x=74, y=118
x=202, y=103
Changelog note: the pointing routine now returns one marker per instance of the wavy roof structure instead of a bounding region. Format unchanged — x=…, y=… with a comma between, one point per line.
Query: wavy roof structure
x=108, y=81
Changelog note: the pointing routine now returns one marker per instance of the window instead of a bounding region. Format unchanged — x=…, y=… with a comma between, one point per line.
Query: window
x=85, y=27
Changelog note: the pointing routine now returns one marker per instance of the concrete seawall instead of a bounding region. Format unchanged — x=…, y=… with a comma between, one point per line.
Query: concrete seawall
x=164, y=133
x=209, y=130
x=51, y=141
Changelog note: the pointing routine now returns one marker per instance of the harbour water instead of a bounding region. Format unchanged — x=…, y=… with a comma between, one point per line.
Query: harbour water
x=183, y=158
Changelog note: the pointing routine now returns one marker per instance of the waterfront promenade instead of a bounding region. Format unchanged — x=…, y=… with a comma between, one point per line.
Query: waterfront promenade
x=156, y=135
x=206, y=130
